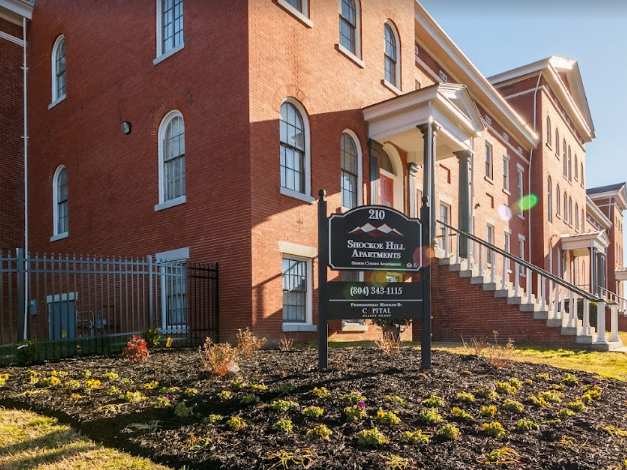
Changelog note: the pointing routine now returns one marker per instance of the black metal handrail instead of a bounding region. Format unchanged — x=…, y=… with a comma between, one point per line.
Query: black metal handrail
x=531, y=267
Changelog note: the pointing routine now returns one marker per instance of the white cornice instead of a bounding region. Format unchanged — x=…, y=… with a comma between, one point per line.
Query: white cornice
x=596, y=214
x=494, y=101
x=620, y=195
x=15, y=10
x=550, y=68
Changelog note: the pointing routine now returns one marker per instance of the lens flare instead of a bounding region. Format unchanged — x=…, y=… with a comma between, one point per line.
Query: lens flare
x=527, y=202
x=379, y=278
x=504, y=212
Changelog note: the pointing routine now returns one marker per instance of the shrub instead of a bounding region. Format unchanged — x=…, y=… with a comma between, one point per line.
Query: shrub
x=371, y=438
x=570, y=380
x=283, y=425
x=449, y=432
x=190, y=392
x=113, y=391
x=26, y=351
x=182, y=410
x=433, y=401
x=161, y=402
x=415, y=437
x=512, y=405
x=488, y=411
x=525, y=425
x=355, y=412
x=388, y=418
x=170, y=389
x=86, y=374
x=543, y=376
x=313, y=412
x=458, y=413
x=218, y=358
x=494, y=429
x=286, y=344
x=249, y=399
x=538, y=402
x=465, y=397
x=258, y=387
x=431, y=416
x=284, y=387
x=550, y=396
x=248, y=343
x=235, y=423
x=92, y=384
x=486, y=392
x=321, y=431
x=136, y=350
x=152, y=337
x=72, y=385
x=284, y=405
x=321, y=392
x=389, y=343
x=576, y=405
x=51, y=381
x=505, y=388
x=514, y=382
x=134, y=397
x=592, y=393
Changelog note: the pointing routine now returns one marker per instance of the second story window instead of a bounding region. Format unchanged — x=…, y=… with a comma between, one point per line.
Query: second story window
x=297, y=4
x=171, y=161
x=348, y=26
x=169, y=26
x=549, y=195
x=350, y=172
x=391, y=55
x=506, y=173
x=488, y=161
x=295, y=164
x=60, y=203
x=59, y=70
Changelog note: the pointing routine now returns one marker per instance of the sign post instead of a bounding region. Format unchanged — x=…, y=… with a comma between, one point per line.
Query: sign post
x=370, y=238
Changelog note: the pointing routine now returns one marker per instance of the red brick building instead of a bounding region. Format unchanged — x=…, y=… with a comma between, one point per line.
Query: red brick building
x=203, y=130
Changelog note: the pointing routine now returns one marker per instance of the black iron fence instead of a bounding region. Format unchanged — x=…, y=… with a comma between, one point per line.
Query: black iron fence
x=69, y=305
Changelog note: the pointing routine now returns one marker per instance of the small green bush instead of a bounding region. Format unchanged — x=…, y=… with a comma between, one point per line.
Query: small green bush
x=235, y=423
x=313, y=412
x=460, y=414
x=284, y=405
x=525, y=425
x=26, y=351
x=371, y=438
x=110, y=376
x=395, y=399
x=565, y=413
x=354, y=412
x=321, y=431
x=550, y=396
x=433, y=401
x=430, y=416
x=505, y=388
x=320, y=392
x=249, y=399
x=283, y=425
x=415, y=437
x=182, y=410
x=494, y=429
x=576, y=405
x=449, y=432
x=213, y=419
x=465, y=397
x=570, y=380
x=225, y=395
x=486, y=392
x=543, y=376
x=353, y=397
x=387, y=418
x=488, y=411
x=512, y=405
x=152, y=336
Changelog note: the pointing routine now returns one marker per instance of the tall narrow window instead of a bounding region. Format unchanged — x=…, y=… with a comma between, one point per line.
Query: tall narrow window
x=60, y=202
x=171, y=160
x=295, y=283
x=445, y=216
x=582, y=181
x=549, y=196
x=59, y=70
x=348, y=26
x=507, y=247
x=565, y=158
x=558, y=201
x=576, y=167
x=391, y=55
x=488, y=161
x=570, y=211
x=521, y=254
x=506, y=172
x=565, y=208
x=577, y=217
x=294, y=150
x=350, y=172
x=583, y=221
x=557, y=142
x=549, y=139
x=521, y=193
x=490, y=240
x=570, y=165
x=169, y=26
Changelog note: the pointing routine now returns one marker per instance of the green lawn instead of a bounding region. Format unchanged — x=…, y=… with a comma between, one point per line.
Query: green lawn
x=30, y=441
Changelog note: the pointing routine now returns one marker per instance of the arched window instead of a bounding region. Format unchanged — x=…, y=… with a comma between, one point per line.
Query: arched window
x=391, y=54
x=558, y=201
x=565, y=207
x=582, y=181
x=349, y=23
x=583, y=221
x=550, y=199
x=295, y=158
x=549, y=138
x=171, y=160
x=351, y=174
x=565, y=158
x=386, y=163
x=557, y=142
x=59, y=70
x=570, y=211
x=576, y=167
x=60, y=203
x=570, y=165
x=577, y=217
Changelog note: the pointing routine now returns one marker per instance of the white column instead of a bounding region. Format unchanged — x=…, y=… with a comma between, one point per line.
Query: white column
x=601, y=323
x=614, y=323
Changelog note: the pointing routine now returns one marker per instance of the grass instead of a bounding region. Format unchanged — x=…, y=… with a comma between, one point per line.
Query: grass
x=31, y=441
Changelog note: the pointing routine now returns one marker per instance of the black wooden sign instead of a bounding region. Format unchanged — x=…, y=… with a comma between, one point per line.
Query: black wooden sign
x=373, y=300
x=375, y=238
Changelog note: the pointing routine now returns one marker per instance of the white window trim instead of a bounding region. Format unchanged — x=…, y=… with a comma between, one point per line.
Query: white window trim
x=298, y=14
x=161, y=56
x=520, y=177
x=350, y=55
x=308, y=324
x=360, y=196
x=521, y=238
x=506, y=158
x=397, y=71
x=179, y=254
x=391, y=87
x=56, y=235
x=163, y=204
x=306, y=196
x=55, y=98
x=491, y=147
x=356, y=57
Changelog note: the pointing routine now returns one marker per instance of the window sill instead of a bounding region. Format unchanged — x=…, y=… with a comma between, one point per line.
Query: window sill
x=391, y=87
x=171, y=203
x=171, y=52
x=299, y=15
x=489, y=180
x=350, y=55
x=506, y=191
x=287, y=327
x=56, y=102
x=297, y=195
x=59, y=236
x=520, y=216
x=549, y=146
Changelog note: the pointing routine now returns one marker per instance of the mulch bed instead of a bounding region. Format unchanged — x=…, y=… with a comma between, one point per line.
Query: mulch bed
x=580, y=441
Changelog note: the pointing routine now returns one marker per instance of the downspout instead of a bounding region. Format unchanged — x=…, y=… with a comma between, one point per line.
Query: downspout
x=535, y=108
x=26, y=248
x=472, y=188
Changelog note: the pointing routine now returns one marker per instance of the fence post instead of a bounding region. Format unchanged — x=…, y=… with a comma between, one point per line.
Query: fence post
x=21, y=297
x=150, y=287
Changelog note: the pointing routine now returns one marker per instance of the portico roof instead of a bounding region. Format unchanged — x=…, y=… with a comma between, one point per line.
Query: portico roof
x=584, y=241
x=621, y=274
x=449, y=106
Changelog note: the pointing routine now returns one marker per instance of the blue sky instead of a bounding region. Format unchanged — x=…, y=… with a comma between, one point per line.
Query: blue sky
x=499, y=35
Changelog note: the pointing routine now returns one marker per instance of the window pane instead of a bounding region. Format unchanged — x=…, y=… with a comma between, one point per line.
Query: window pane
x=294, y=280
x=174, y=159
x=292, y=151
x=171, y=24
x=349, y=171
x=348, y=25
x=298, y=4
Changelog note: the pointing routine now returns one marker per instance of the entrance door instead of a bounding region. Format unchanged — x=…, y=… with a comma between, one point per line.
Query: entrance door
x=62, y=319
x=387, y=191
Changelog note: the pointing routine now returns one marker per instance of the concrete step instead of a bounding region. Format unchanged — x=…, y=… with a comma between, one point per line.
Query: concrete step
x=554, y=322
x=541, y=314
x=609, y=346
x=585, y=339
